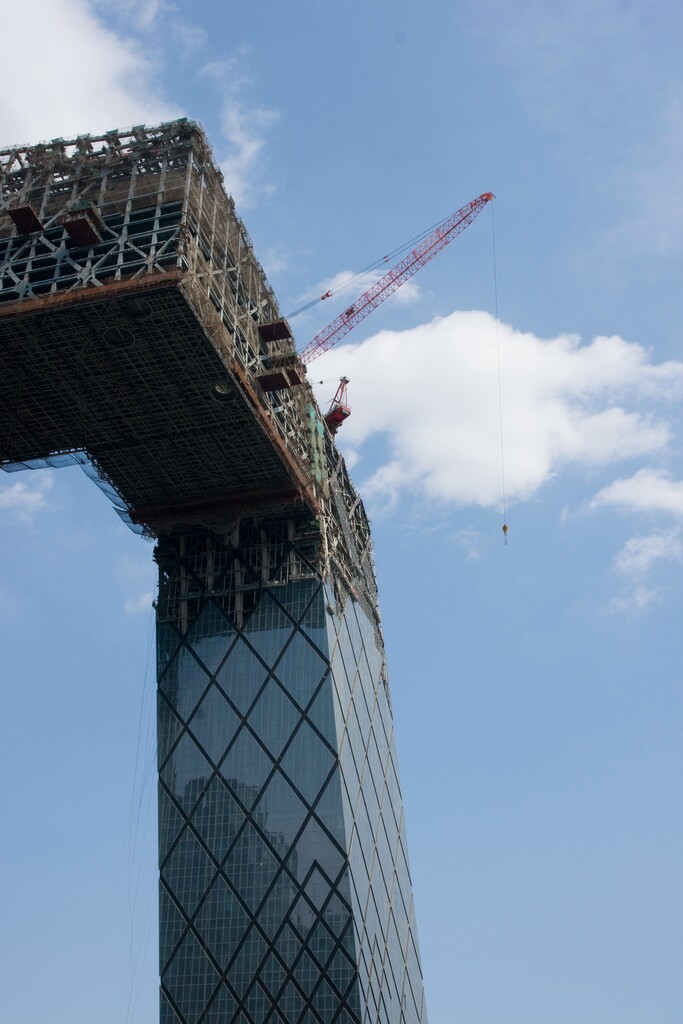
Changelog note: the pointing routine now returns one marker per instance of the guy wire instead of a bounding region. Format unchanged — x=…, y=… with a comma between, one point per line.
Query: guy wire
x=500, y=389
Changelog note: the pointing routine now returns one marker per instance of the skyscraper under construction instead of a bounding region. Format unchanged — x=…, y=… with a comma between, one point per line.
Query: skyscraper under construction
x=139, y=338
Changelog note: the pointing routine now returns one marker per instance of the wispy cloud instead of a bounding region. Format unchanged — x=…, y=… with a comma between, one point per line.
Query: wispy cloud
x=648, y=490
x=152, y=18
x=468, y=539
x=21, y=500
x=143, y=15
x=633, y=601
x=351, y=284
x=640, y=554
x=276, y=260
x=127, y=89
x=191, y=37
x=138, y=605
x=244, y=129
x=564, y=403
x=637, y=562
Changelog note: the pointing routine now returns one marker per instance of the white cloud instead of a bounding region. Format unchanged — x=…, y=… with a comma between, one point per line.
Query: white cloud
x=191, y=37
x=100, y=80
x=244, y=129
x=354, y=284
x=276, y=260
x=143, y=15
x=639, y=554
x=633, y=601
x=432, y=393
x=469, y=540
x=637, y=559
x=22, y=500
x=138, y=605
x=648, y=490
x=152, y=17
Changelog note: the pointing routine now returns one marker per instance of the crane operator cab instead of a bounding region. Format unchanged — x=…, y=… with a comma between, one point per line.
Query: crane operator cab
x=339, y=409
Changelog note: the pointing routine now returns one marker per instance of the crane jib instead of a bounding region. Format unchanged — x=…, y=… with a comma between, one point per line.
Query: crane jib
x=398, y=275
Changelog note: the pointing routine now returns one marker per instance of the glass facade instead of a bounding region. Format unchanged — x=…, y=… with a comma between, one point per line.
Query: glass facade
x=285, y=894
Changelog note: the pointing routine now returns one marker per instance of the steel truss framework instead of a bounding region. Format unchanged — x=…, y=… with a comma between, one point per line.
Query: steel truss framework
x=161, y=217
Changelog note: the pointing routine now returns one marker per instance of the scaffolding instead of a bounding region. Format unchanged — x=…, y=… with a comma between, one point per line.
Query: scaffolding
x=138, y=330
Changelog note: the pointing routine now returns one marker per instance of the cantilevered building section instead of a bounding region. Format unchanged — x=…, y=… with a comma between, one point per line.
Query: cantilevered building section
x=139, y=337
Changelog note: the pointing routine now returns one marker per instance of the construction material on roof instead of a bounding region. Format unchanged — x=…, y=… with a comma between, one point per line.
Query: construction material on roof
x=138, y=333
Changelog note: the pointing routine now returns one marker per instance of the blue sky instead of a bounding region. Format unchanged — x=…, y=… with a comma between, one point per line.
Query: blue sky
x=536, y=686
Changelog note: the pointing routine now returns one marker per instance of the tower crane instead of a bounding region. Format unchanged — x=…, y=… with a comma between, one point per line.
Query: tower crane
x=381, y=290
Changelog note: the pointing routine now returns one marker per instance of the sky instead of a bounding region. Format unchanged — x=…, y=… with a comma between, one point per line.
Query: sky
x=531, y=374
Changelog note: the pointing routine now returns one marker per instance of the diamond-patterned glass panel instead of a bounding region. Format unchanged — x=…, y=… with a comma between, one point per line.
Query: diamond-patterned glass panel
x=171, y=821
x=173, y=925
x=241, y=676
x=251, y=866
x=321, y=713
x=184, y=682
x=190, y=979
x=321, y=943
x=168, y=641
x=288, y=945
x=214, y=724
x=218, y=817
x=326, y=1002
x=244, y=967
x=341, y=971
x=169, y=727
x=300, y=669
x=274, y=717
x=221, y=922
x=268, y=629
x=280, y=813
x=246, y=767
x=280, y=810
x=188, y=872
x=186, y=772
x=329, y=809
x=316, y=848
x=257, y=1004
x=278, y=904
x=222, y=1009
x=306, y=973
x=210, y=636
x=307, y=762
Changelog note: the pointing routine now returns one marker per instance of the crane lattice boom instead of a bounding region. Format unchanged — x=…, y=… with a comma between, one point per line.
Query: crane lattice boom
x=398, y=275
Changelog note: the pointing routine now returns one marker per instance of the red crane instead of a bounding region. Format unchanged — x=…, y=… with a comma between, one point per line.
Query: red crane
x=398, y=275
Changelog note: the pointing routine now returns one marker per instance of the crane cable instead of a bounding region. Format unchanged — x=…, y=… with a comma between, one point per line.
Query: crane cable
x=398, y=251
x=500, y=389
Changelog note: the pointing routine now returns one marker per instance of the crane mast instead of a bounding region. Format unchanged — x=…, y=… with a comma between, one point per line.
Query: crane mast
x=398, y=275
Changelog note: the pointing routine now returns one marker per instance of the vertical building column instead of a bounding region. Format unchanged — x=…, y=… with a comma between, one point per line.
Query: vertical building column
x=280, y=824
